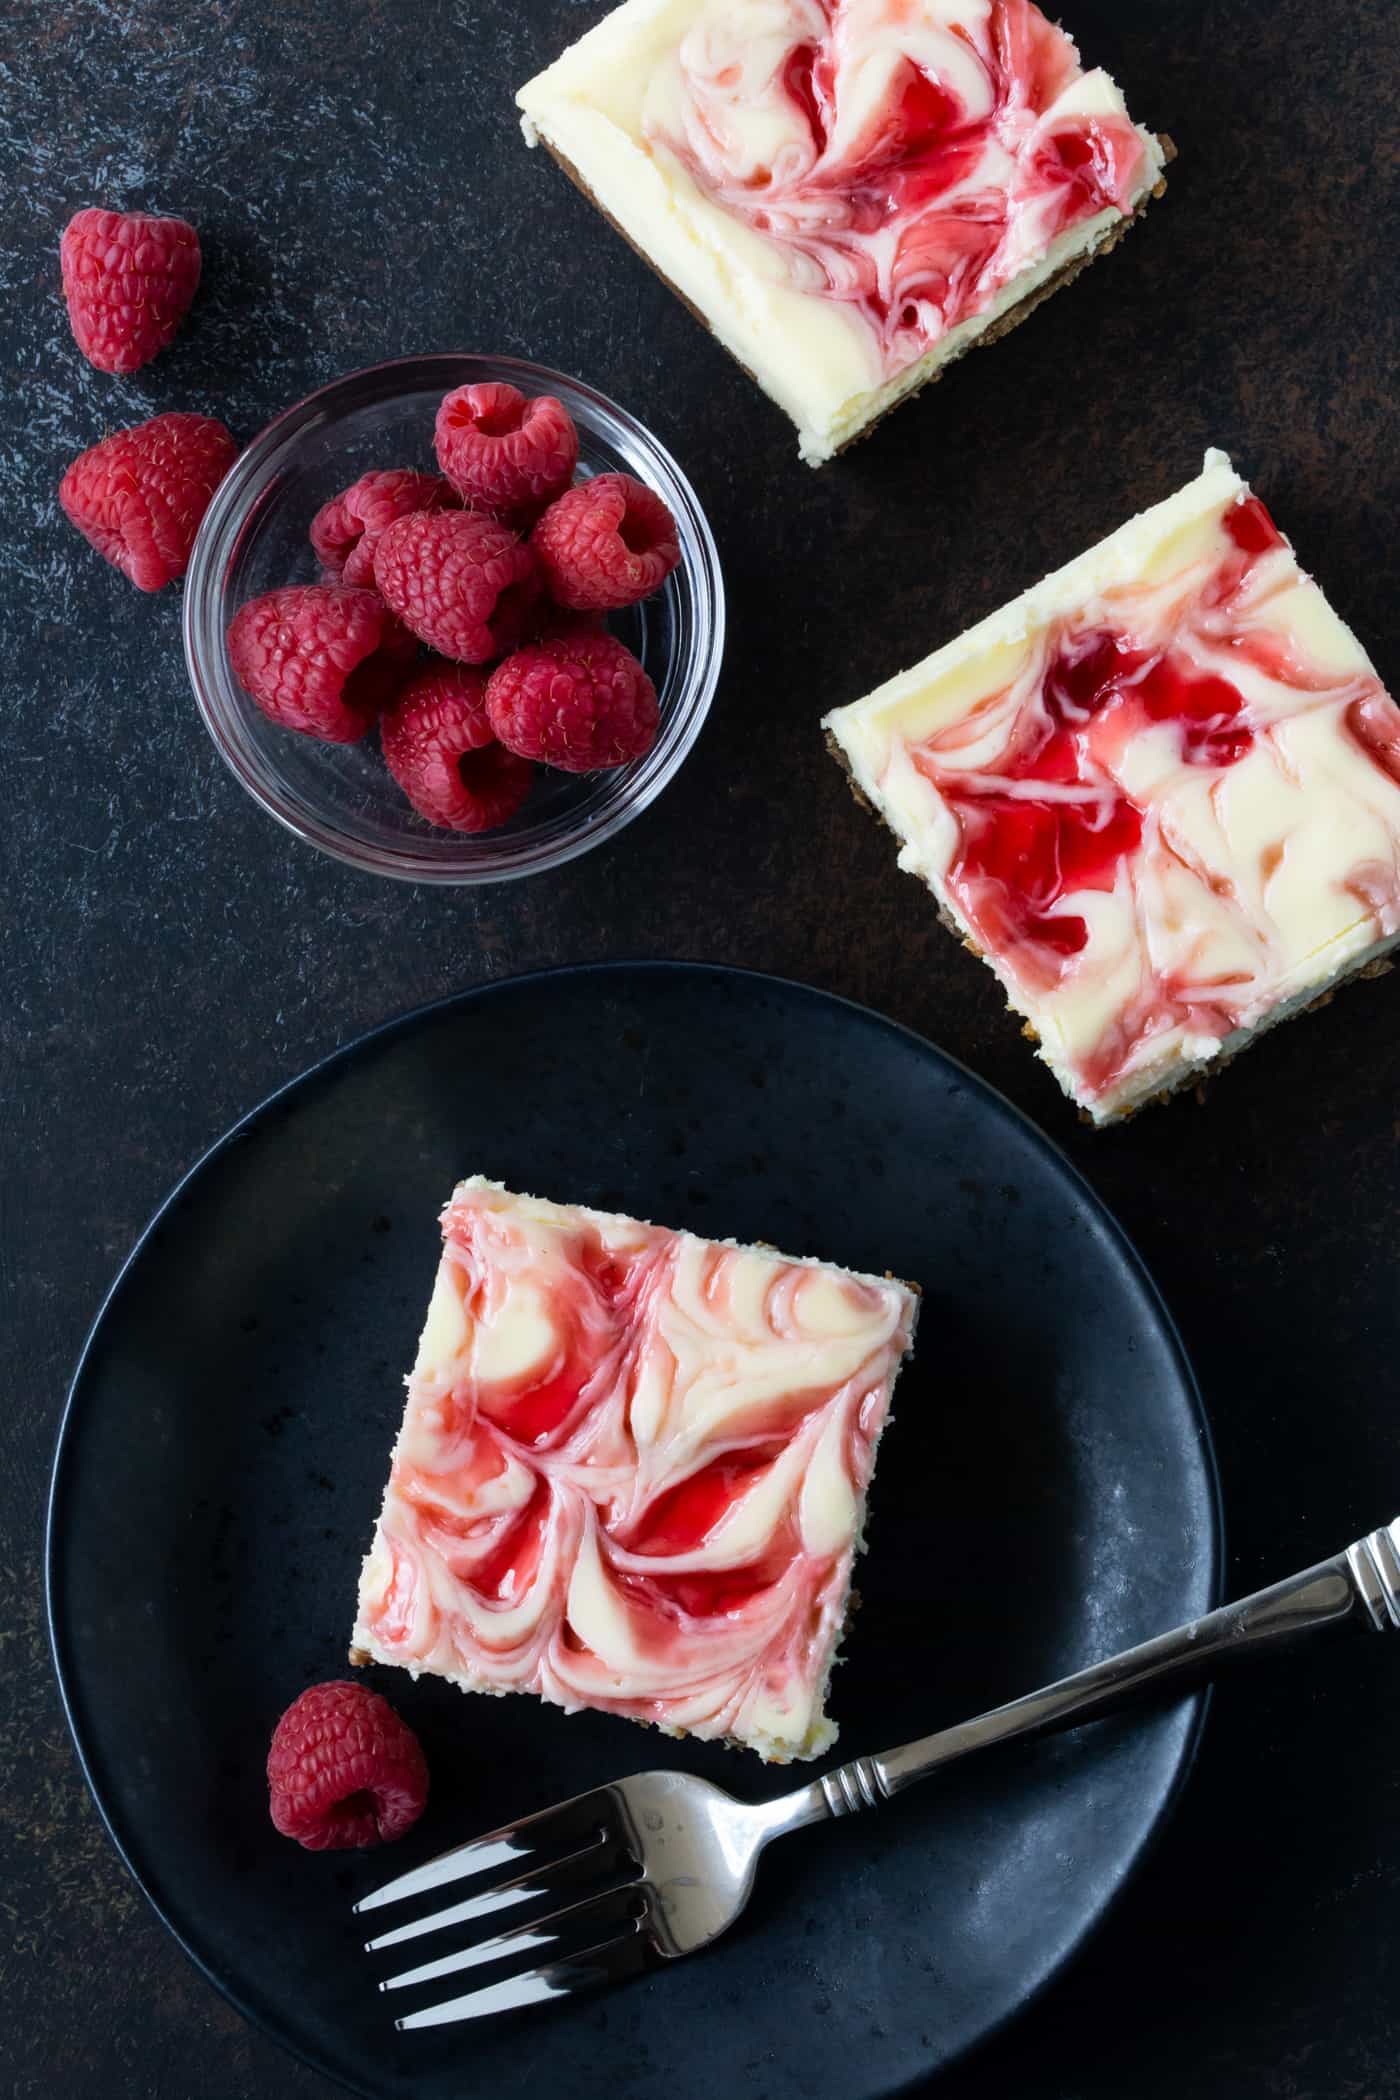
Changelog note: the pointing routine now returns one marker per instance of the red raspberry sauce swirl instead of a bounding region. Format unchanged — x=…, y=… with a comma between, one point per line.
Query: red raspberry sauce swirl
x=908, y=158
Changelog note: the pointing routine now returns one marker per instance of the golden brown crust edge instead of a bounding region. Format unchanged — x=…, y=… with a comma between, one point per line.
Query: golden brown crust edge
x=1198, y=1077
x=1012, y=318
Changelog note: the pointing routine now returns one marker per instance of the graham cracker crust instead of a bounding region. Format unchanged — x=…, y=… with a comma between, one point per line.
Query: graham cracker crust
x=1012, y=318
x=945, y=917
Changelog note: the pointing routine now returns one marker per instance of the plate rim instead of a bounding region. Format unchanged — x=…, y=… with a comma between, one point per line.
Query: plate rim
x=404, y=1023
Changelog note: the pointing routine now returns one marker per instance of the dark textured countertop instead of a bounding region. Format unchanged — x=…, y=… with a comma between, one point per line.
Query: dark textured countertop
x=169, y=956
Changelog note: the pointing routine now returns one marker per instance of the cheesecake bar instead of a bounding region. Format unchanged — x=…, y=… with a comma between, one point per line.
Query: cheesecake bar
x=632, y=1471
x=850, y=193
x=1159, y=793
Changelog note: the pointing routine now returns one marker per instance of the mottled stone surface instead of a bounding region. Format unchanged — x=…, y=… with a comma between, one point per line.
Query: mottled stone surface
x=169, y=955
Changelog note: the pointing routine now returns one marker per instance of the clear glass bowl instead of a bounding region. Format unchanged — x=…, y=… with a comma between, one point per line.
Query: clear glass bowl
x=341, y=797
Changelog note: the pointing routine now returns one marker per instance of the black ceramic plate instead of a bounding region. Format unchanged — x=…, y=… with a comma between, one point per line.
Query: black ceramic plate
x=1045, y=1495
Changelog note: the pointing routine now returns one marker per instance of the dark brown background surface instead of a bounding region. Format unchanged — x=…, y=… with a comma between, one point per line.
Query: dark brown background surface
x=169, y=955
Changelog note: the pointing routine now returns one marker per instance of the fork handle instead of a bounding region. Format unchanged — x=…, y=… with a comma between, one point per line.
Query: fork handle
x=1357, y=1591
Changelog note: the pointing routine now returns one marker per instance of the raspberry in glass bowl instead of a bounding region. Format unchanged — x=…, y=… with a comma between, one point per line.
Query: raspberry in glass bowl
x=342, y=797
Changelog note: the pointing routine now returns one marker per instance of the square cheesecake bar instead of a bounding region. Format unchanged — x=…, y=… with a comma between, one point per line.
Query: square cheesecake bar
x=1159, y=793
x=849, y=193
x=632, y=1471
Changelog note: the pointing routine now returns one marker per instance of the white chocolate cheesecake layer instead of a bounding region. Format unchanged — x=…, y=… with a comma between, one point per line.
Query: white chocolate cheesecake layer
x=850, y=192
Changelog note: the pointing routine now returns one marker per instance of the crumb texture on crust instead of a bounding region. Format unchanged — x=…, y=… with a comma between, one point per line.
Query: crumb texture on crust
x=632, y=1470
x=707, y=133
x=1159, y=793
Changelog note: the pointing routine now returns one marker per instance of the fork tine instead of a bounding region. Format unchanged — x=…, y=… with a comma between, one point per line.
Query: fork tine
x=608, y=1962
x=616, y=1907
x=566, y=1868
x=498, y=1848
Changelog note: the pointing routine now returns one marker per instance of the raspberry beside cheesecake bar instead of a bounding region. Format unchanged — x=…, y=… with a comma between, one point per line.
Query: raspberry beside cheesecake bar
x=849, y=192
x=1159, y=793
x=632, y=1471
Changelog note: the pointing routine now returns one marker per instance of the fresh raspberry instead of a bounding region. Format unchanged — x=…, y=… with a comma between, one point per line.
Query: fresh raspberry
x=579, y=704
x=462, y=583
x=504, y=454
x=346, y=531
x=128, y=280
x=344, y=1770
x=140, y=494
x=606, y=543
x=320, y=658
x=440, y=747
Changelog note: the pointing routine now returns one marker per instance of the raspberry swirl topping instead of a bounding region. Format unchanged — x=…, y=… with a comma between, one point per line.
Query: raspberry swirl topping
x=907, y=158
x=1185, y=795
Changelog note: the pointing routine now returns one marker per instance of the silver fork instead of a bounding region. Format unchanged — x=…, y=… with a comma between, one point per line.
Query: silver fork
x=656, y=1866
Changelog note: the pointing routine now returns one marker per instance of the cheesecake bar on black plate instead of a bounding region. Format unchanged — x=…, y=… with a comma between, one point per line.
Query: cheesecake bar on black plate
x=632, y=1471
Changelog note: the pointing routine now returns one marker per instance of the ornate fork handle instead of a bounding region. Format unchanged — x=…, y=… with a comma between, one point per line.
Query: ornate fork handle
x=1357, y=1591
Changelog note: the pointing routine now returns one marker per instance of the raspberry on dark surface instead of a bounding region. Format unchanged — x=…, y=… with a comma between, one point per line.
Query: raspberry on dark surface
x=346, y=531
x=504, y=454
x=321, y=658
x=463, y=584
x=440, y=747
x=129, y=280
x=581, y=703
x=607, y=543
x=344, y=1770
x=139, y=496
